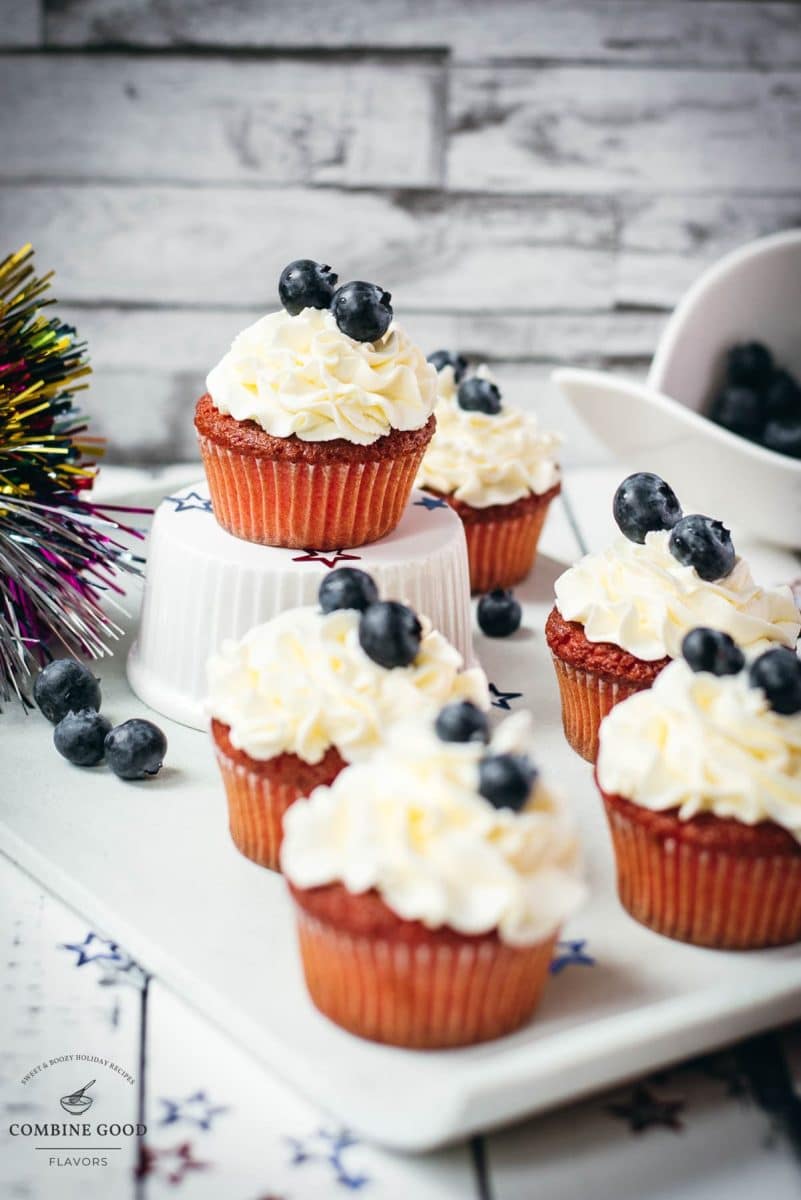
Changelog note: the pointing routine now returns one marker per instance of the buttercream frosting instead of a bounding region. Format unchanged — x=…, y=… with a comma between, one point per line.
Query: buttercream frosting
x=701, y=743
x=301, y=683
x=410, y=823
x=640, y=598
x=301, y=375
x=482, y=458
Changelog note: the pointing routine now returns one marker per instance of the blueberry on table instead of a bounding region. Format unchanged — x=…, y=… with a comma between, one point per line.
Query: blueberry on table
x=784, y=436
x=506, y=780
x=782, y=397
x=704, y=544
x=306, y=284
x=749, y=363
x=80, y=736
x=362, y=310
x=447, y=358
x=711, y=650
x=135, y=749
x=347, y=587
x=63, y=686
x=643, y=503
x=778, y=673
x=462, y=721
x=390, y=634
x=741, y=410
x=499, y=613
x=479, y=395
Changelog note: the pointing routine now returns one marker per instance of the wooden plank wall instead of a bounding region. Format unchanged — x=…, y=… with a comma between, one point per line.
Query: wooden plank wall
x=536, y=181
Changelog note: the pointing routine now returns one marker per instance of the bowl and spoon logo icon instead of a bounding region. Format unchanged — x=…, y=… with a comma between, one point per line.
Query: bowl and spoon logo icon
x=78, y=1102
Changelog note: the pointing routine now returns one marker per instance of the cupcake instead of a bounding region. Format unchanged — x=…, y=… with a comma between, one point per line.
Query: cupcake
x=314, y=423
x=701, y=779
x=313, y=689
x=430, y=883
x=620, y=616
x=495, y=467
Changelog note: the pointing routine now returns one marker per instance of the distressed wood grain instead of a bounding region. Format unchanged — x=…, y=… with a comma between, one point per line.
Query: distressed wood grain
x=593, y=129
x=21, y=24
x=716, y=32
x=370, y=121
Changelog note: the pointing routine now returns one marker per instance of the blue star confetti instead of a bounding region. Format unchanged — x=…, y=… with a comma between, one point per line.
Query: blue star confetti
x=191, y=502
x=96, y=949
x=643, y=1110
x=196, y=1109
x=431, y=502
x=329, y=558
x=571, y=954
x=329, y=1147
x=502, y=699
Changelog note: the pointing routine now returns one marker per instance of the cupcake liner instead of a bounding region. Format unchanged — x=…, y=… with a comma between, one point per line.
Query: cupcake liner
x=303, y=505
x=435, y=991
x=502, y=552
x=714, y=891
x=586, y=699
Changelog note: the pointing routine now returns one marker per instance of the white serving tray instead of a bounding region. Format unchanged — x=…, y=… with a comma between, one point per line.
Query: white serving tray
x=151, y=866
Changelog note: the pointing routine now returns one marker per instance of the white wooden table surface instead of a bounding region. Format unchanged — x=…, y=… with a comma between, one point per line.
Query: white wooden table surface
x=218, y=1124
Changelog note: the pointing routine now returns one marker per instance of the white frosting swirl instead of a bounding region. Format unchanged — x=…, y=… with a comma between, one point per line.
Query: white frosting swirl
x=700, y=744
x=639, y=597
x=486, y=459
x=411, y=824
x=301, y=375
x=301, y=683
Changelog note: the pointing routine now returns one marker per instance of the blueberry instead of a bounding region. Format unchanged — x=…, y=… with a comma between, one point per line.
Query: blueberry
x=362, y=310
x=499, y=614
x=705, y=544
x=778, y=673
x=479, y=395
x=506, y=780
x=783, y=397
x=642, y=503
x=739, y=409
x=306, y=284
x=749, y=363
x=135, y=749
x=446, y=358
x=65, y=685
x=347, y=587
x=462, y=721
x=784, y=436
x=710, y=650
x=390, y=634
x=80, y=737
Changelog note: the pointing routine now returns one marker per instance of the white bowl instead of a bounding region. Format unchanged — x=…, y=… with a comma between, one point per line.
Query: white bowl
x=752, y=294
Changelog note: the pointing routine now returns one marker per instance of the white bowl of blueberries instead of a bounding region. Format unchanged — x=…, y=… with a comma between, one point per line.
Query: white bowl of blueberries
x=720, y=413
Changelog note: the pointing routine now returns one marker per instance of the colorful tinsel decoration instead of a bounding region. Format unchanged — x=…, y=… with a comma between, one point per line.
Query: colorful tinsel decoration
x=59, y=553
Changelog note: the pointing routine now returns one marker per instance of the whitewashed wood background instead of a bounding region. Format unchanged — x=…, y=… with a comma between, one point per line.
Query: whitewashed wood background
x=536, y=181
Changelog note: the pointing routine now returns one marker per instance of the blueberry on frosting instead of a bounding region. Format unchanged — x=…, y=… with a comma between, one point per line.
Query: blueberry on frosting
x=362, y=310
x=778, y=673
x=347, y=587
x=306, y=284
x=462, y=721
x=390, y=634
x=705, y=544
x=711, y=650
x=643, y=503
x=479, y=395
x=440, y=359
x=506, y=780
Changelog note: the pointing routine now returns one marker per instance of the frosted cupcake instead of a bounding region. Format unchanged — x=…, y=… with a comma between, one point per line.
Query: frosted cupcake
x=701, y=778
x=314, y=423
x=430, y=884
x=620, y=616
x=495, y=467
x=313, y=689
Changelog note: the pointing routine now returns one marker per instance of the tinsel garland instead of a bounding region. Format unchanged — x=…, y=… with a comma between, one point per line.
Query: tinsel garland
x=60, y=554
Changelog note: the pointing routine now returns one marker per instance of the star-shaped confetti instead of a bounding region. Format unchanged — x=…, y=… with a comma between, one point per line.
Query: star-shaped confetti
x=170, y=1164
x=96, y=949
x=571, y=954
x=643, y=1110
x=329, y=1146
x=431, y=502
x=329, y=558
x=192, y=501
x=197, y=1109
x=502, y=699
